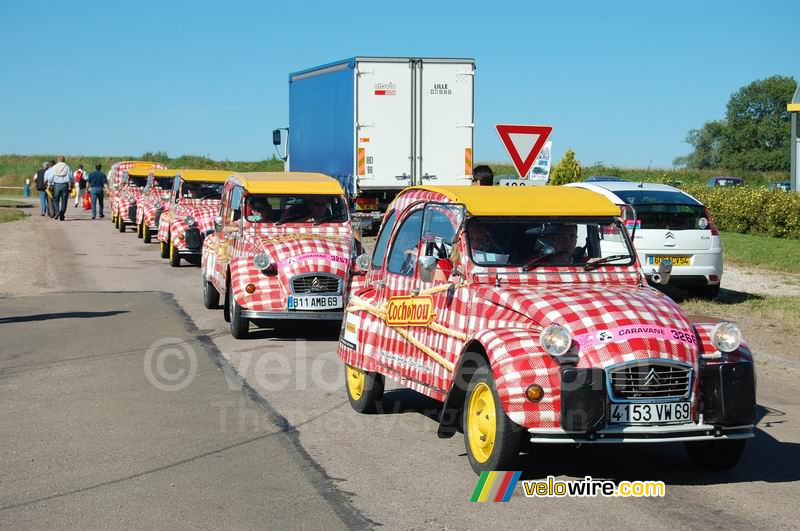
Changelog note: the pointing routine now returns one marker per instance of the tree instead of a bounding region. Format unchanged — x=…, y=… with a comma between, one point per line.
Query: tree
x=568, y=170
x=755, y=134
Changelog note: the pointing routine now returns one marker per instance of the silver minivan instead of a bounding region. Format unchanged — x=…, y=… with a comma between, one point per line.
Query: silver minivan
x=670, y=224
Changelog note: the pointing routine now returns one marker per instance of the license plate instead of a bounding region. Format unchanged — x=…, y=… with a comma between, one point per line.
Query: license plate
x=676, y=260
x=651, y=413
x=314, y=302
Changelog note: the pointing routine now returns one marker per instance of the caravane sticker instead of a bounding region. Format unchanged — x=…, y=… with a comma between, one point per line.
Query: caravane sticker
x=314, y=256
x=592, y=339
x=409, y=310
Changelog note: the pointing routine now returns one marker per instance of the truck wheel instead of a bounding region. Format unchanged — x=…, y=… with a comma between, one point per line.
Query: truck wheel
x=210, y=295
x=165, y=249
x=240, y=326
x=174, y=257
x=716, y=455
x=146, y=233
x=364, y=389
x=491, y=438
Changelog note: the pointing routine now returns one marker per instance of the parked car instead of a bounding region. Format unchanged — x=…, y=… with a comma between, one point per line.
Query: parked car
x=725, y=181
x=603, y=178
x=129, y=190
x=282, y=249
x=154, y=199
x=115, y=180
x=524, y=311
x=670, y=225
x=194, y=203
x=785, y=186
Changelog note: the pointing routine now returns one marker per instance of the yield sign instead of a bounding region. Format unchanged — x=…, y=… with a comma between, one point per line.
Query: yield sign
x=523, y=143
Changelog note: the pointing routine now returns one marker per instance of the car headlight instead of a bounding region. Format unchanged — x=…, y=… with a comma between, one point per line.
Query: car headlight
x=726, y=337
x=189, y=220
x=556, y=340
x=261, y=261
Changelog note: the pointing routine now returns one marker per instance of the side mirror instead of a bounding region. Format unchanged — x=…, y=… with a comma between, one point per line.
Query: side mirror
x=276, y=137
x=362, y=263
x=427, y=267
x=218, y=224
x=664, y=272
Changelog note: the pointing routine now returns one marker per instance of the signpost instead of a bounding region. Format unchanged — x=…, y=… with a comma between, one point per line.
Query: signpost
x=523, y=143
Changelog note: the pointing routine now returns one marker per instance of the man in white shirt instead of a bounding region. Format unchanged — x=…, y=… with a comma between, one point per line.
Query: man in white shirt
x=61, y=179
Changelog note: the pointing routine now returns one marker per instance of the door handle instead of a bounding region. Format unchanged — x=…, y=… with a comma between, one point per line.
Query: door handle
x=403, y=177
x=428, y=176
x=415, y=291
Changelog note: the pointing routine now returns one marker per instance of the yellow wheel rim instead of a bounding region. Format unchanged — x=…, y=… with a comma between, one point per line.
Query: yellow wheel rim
x=481, y=423
x=355, y=382
x=171, y=252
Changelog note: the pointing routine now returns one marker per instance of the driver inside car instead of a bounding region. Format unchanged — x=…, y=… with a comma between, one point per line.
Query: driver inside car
x=559, y=246
x=260, y=210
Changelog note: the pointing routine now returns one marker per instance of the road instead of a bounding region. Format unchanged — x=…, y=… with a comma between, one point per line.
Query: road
x=280, y=397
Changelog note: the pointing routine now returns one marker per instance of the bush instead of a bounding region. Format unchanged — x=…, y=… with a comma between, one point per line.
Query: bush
x=752, y=210
x=568, y=170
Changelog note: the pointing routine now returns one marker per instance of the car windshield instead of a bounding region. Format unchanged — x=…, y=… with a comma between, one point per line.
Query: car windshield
x=280, y=209
x=137, y=182
x=532, y=242
x=664, y=209
x=163, y=183
x=201, y=190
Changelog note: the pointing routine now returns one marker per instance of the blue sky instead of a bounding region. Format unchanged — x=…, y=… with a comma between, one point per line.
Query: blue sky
x=621, y=82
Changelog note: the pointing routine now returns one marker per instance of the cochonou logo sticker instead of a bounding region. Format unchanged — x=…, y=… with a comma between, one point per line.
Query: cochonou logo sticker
x=410, y=311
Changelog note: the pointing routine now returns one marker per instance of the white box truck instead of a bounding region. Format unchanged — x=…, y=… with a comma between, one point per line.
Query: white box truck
x=381, y=124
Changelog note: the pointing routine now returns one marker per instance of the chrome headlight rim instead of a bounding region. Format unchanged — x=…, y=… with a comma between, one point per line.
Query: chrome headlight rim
x=726, y=336
x=262, y=260
x=556, y=339
x=189, y=220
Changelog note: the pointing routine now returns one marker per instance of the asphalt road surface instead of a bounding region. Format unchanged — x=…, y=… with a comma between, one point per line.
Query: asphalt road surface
x=262, y=434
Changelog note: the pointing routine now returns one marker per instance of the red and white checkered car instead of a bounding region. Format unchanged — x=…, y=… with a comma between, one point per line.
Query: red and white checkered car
x=115, y=180
x=189, y=213
x=153, y=201
x=283, y=248
x=524, y=310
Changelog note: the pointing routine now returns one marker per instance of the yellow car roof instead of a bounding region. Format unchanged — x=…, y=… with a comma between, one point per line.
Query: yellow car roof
x=527, y=200
x=213, y=176
x=144, y=171
x=288, y=183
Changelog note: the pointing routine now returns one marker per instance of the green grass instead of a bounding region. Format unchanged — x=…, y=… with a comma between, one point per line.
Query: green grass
x=14, y=169
x=735, y=305
x=777, y=254
x=10, y=214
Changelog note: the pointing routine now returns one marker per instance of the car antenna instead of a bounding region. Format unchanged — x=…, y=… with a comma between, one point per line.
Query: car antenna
x=641, y=184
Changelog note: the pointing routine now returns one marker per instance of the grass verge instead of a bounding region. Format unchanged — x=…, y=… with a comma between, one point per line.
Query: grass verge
x=777, y=254
x=10, y=214
x=734, y=305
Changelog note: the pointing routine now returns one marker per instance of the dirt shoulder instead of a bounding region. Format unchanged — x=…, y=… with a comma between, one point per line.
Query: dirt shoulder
x=26, y=263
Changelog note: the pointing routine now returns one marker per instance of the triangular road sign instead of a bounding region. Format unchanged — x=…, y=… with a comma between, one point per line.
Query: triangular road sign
x=523, y=143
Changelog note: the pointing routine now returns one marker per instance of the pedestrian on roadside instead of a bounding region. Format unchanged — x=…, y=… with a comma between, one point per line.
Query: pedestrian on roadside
x=48, y=181
x=62, y=185
x=97, y=181
x=41, y=187
x=482, y=176
x=80, y=184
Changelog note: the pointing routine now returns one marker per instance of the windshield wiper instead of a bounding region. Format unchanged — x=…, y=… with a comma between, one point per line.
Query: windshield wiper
x=597, y=263
x=289, y=218
x=532, y=262
x=323, y=218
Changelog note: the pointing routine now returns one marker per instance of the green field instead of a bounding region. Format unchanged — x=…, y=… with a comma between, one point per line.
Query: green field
x=10, y=214
x=778, y=254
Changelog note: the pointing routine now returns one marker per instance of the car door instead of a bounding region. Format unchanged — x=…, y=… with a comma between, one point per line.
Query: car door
x=228, y=234
x=439, y=284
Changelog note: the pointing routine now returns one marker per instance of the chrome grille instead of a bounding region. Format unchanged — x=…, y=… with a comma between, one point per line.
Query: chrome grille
x=650, y=379
x=316, y=284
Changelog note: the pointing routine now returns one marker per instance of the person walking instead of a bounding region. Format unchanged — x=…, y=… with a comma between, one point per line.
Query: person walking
x=48, y=181
x=62, y=186
x=80, y=184
x=97, y=181
x=41, y=187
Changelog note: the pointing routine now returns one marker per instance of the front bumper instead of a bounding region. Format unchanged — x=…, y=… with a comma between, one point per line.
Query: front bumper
x=299, y=315
x=643, y=434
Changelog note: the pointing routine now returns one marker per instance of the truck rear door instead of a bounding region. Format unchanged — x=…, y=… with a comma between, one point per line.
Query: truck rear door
x=444, y=109
x=384, y=124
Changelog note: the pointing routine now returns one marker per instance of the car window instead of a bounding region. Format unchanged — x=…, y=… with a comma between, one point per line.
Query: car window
x=403, y=256
x=442, y=221
x=383, y=240
x=650, y=197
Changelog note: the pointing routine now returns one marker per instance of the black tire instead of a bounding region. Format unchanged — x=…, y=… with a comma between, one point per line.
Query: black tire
x=371, y=390
x=139, y=231
x=121, y=224
x=115, y=219
x=146, y=233
x=716, y=455
x=210, y=295
x=226, y=314
x=174, y=256
x=708, y=293
x=165, y=249
x=240, y=326
x=508, y=435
